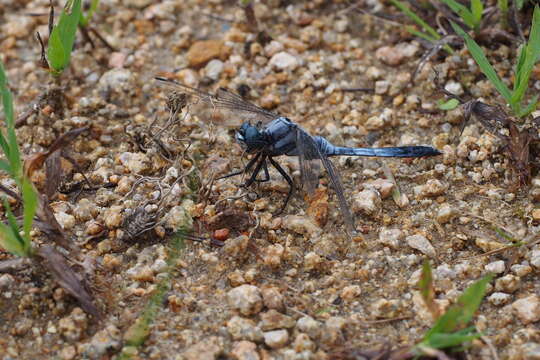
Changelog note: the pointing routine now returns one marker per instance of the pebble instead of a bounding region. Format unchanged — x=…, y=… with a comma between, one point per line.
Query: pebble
x=395, y=55
x=115, y=84
x=499, y=298
x=141, y=273
x=422, y=244
x=309, y=326
x=350, y=292
x=366, y=202
x=496, y=267
x=6, y=281
x=113, y=216
x=213, y=69
x=137, y=163
x=273, y=48
x=332, y=333
x=273, y=319
x=273, y=298
x=67, y=221
x=454, y=88
x=535, y=259
x=381, y=87
x=312, y=261
x=508, y=283
x=383, y=186
x=236, y=247
x=527, y=309
x=139, y=4
x=203, y=51
x=178, y=217
x=245, y=350
x=244, y=329
x=103, y=342
x=301, y=225
x=284, y=61
x=276, y=339
x=303, y=343
x=208, y=349
x=246, y=299
x=272, y=255
x=391, y=238
x=530, y=351
x=445, y=214
x=431, y=188
x=536, y=214
x=73, y=327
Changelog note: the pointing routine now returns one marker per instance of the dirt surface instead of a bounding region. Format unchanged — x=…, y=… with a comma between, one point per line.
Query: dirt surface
x=292, y=286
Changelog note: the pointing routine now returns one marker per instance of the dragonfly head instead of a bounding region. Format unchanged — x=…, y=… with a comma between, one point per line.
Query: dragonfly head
x=250, y=138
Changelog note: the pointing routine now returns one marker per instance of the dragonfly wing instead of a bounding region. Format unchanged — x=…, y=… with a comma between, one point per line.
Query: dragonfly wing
x=224, y=99
x=309, y=155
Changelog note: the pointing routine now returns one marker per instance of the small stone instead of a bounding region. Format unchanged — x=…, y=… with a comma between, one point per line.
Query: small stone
x=454, y=88
x=245, y=350
x=303, y=343
x=350, y=292
x=383, y=186
x=72, y=327
x=312, y=261
x=244, y=329
x=445, y=214
x=530, y=351
x=391, y=238
x=115, y=84
x=208, y=349
x=508, y=283
x=389, y=56
x=366, y=202
x=236, y=247
x=535, y=258
x=68, y=353
x=104, y=341
x=384, y=308
x=221, y=234
x=136, y=163
x=431, y=188
x=273, y=48
x=301, y=225
x=213, y=69
x=141, y=273
x=332, y=333
x=85, y=210
x=6, y=281
x=272, y=255
x=272, y=320
x=246, y=299
x=178, y=217
x=203, y=51
x=273, y=298
x=527, y=309
x=536, y=214
x=309, y=326
x=381, y=87
x=422, y=244
x=374, y=123
x=276, y=339
x=499, y=298
x=496, y=267
x=284, y=61
x=113, y=216
x=67, y=221
x=117, y=59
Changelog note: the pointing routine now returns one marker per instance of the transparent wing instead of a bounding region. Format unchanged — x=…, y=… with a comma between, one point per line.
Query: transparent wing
x=223, y=99
x=309, y=155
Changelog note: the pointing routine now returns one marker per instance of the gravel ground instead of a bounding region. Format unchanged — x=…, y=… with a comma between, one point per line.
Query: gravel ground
x=292, y=286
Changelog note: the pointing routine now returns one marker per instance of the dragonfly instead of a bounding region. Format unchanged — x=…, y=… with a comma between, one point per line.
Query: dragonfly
x=267, y=135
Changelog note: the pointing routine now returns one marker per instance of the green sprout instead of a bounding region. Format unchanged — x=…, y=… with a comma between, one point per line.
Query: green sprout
x=85, y=18
x=450, y=329
x=471, y=17
x=428, y=33
x=11, y=238
x=528, y=55
x=63, y=36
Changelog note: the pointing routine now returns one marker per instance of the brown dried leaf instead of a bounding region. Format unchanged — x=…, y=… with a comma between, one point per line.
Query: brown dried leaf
x=68, y=279
x=493, y=118
x=53, y=171
x=518, y=147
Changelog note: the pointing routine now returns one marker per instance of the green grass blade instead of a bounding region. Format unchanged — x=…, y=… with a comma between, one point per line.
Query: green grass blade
x=63, y=36
x=520, y=3
x=483, y=63
x=4, y=165
x=10, y=242
x=451, y=104
x=405, y=9
x=530, y=108
x=443, y=341
x=30, y=202
x=9, y=146
x=85, y=19
x=462, y=11
x=526, y=62
x=477, y=8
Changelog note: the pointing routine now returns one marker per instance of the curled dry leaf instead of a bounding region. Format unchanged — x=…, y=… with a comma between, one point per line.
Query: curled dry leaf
x=68, y=279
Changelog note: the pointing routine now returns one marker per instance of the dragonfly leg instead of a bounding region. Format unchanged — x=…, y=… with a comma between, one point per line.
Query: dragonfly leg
x=289, y=181
x=246, y=168
x=266, y=174
x=253, y=177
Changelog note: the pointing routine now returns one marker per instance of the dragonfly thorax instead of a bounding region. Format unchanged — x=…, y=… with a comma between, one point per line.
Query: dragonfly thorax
x=251, y=138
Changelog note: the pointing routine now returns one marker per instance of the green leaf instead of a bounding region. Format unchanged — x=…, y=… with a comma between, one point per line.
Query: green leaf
x=14, y=239
x=451, y=104
x=462, y=312
x=85, y=19
x=405, y=9
x=530, y=108
x=10, y=241
x=63, y=36
x=526, y=62
x=9, y=146
x=444, y=340
x=426, y=282
x=4, y=165
x=462, y=11
x=520, y=3
x=477, y=8
x=483, y=63
x=30, y=202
